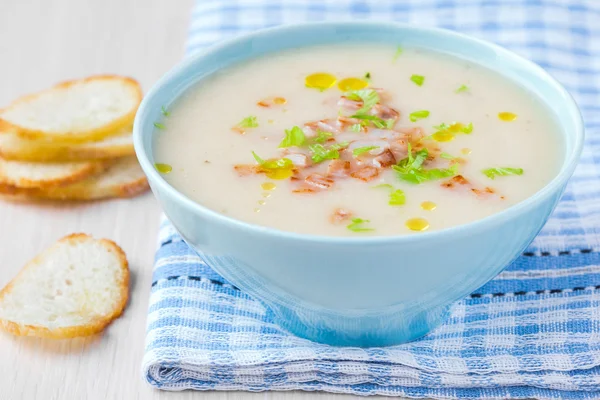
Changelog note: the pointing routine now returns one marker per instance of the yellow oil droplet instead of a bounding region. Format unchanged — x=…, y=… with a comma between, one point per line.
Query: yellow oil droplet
x=268, y=186
x=456, y=128
x=271, y=121
x=163, y=168
x=262, y=202
x=320, y=81
x=417, y=224
x=443, y=136
x=266, y=195
x=348, y=84
x=507, y=116
x=428, y=205
x=279, y=100
x=280, y=173
x=257, y=210
x=466, y=151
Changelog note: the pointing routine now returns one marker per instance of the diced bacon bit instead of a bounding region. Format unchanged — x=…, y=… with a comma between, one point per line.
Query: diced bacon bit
x=339, y=168
x=319, y=181
x=263, y=104
x=461, y=181
x=385, y=159
x=325, y=125
x=483, y=193
x=349, y=105
x=339, y=216
x=366, y=174
x=274, y=101
x=457, y=180
x=414, y=135
x=346, y=122
x=246, y=169
x=304, y=190
x=239, y=130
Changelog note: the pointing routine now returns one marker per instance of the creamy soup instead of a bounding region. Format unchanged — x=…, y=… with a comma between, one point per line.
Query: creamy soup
x=359, y=139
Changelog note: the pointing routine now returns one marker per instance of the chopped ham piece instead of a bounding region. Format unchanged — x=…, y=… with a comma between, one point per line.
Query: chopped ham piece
x=319, y=181
x=460, y=182
x=339, y=169
x=366, y=174
x=304, y=190
x=246, y=169
x=385, y=159
x=339, y=216
x=385, y=112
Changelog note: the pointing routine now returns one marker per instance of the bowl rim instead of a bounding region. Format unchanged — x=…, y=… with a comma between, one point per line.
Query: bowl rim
x=569, y=164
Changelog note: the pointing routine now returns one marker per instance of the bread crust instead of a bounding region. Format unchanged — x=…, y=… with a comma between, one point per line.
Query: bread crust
x=80, y=330
x=81, y=136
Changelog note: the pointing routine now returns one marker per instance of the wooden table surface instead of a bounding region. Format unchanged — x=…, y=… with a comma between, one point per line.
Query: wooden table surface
x=41, y=43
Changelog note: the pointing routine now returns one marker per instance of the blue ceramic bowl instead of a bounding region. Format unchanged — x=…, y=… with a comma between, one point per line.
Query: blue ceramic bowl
x=367, y=291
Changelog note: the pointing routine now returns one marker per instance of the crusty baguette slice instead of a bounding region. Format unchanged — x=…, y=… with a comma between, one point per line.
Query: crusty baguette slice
x=75, y=111
x=124, y=178
x=15, y=147
x=23, y=174
x=74, y=288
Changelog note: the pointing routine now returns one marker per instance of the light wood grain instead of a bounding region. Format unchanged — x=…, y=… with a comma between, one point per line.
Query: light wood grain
x=43, y=42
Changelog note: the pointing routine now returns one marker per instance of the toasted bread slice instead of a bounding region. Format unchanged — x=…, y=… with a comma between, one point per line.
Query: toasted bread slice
x=124, y=178
x=14, y=147
x=74, y=288
x=22, y=174
x=75, y=111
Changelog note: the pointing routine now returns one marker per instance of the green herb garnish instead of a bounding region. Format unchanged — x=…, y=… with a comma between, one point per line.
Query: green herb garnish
x=356, y=128
x=282, y=163
x=462, y=88
x=492, y=173
x=411, y=169
x=417, y=115
x=322, y=153
x=368, y=75
x=376, y=121
x=164, y=111
x=369, y=97
x=360, y=150
x=397, y=54
x=159, y=125
x=321, y=137
x=383, y=185
x=357, y=225
x=397, y=198
x=293, y=137
x=447, y=156
x=418, y=79
x=249, y=122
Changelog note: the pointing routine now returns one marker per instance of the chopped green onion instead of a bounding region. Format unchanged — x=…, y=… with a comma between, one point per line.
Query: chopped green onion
x=293, y=137
x=357, y=225
x=397, y=198
x=321, y=137
x=360, y=150
x=258, y=159
x=368, y=75
x=376, y=121
x=447, y=156
x=418, y=79
x=356, y=128
x=462, y=88
x=248, y=122
x=397, y=54
x=159, y=125
x=383, y=185
x=322, y=153
x=369, y=97
x=164, y=111
x=417, y=115
x=492, y=173
x=411, y=169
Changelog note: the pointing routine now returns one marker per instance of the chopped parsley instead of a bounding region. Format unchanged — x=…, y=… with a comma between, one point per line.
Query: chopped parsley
x=321, y=137
x=321, y=153
x=447, y=156
x=397, y=54
x=411, y=169
x=356, y=128
x=293, y=137
x=462, y=88
x=376, y=121
x=492, y=173
x=417, y=115
x=164, y=111
x=369, y=97
x=248, y=122
x=383, y=185
x=358, y=225
x=397, y=198
x=368, y=75
x=159, y=125
x=282, y=163
x=360, y=150
x=418, y=79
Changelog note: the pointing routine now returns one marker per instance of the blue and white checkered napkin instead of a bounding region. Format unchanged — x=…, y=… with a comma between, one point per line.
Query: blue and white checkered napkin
x=533, y=332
